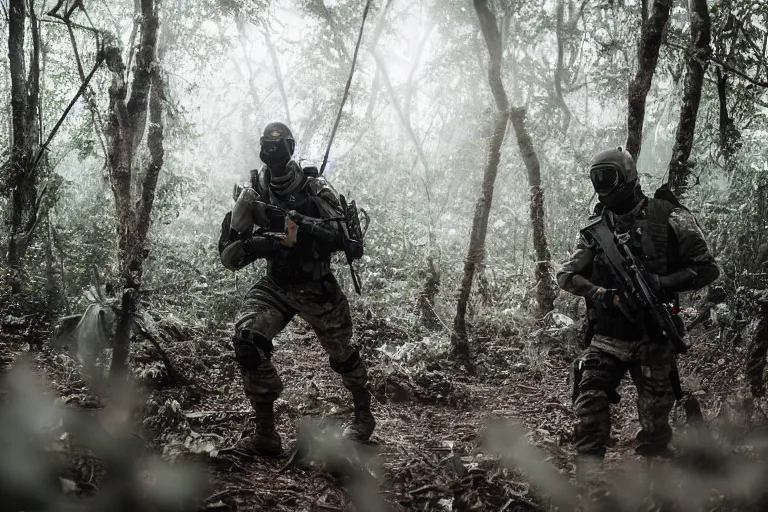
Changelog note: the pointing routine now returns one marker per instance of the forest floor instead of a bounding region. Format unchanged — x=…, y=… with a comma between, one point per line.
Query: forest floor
x=444, y=441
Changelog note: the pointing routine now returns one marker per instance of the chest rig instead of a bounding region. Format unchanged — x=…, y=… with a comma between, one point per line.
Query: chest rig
x=649, y=240
x=310, y=259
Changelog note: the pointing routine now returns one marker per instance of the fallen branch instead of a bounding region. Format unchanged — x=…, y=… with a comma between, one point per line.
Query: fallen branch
x=429, y=487
x=226, y=493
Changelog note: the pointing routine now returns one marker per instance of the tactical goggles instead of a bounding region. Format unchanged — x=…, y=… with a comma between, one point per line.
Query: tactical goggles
x=274, y=140
x=271, y=145
x=605, y=177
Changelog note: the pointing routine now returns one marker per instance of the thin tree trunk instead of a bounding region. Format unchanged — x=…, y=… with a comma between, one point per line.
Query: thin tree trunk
x=756, y=353
x=559, y=70
x=25, y=139
x=374, y=95
x=127, y=125
x=476, y=250
x=729, y=134
x=278, y=75
x=651, y=36
x=679, y=170
x=545, y=284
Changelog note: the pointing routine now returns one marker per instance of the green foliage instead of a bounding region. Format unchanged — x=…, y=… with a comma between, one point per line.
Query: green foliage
x=222, y=89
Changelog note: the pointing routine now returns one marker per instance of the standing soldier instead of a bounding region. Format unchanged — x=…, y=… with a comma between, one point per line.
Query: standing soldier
x=298, y=282
x=665, y=237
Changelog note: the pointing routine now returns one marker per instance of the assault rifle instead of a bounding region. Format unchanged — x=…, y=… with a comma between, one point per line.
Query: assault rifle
x=273, y=220
x=637, y=298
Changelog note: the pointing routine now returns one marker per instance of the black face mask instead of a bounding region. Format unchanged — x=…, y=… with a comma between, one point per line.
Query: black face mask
x=620, y=200
x=275, y=153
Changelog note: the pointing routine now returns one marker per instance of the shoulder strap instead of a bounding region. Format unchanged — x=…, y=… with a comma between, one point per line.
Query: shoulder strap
x=658, y=227
x=664, y=193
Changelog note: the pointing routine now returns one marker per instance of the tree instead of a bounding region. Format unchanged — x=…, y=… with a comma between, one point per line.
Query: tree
x=651, y=36
x=126, y=126
x=545, y=285
x=679, y=169
x=23, y=172
x=476, y=250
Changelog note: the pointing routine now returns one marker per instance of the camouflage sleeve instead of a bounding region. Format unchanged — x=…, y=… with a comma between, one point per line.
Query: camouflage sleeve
x=237, y=251
x=328, y=204
x=572, y=276
x=698, y=267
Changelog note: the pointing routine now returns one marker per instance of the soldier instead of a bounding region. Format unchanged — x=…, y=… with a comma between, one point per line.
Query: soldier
x=667, y=239
x=298, y=281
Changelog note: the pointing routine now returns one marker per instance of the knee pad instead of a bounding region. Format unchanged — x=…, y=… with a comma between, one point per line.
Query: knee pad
x=350, y=365
x=251, y=348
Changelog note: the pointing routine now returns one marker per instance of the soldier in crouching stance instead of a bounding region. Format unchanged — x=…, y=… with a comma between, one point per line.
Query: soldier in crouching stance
x=298, y=281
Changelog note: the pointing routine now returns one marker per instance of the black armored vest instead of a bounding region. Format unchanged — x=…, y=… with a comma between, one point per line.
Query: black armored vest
x=650, y=242
x=310, y=259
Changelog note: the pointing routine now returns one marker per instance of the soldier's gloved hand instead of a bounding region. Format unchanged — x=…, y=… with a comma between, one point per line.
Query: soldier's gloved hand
x=654, y=282
x=608, y=298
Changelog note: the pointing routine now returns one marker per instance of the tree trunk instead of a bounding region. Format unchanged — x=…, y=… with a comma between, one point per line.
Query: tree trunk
x=651, y=35
x=545, y=284
x=426, y=304
x=125, y=131
x=476, y=250
x=729, y=134
x=679, y=170
x=559, y=69
x=756, y=353
x=278, y=76
x=25, y=143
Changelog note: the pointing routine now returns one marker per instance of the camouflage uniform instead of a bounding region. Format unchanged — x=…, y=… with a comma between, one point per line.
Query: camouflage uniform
x=671, y=246
x=298, y=282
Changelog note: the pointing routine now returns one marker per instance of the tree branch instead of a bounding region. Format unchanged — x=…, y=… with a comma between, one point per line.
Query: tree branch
x=559, y=68
x=95, y=115
x=647, y=57
x=346, y=87
x=156, y=153
x=694, y=79
x=145, y=60
x=83, y=86
x=493, y=40
x=278, y=75
x=726, y=67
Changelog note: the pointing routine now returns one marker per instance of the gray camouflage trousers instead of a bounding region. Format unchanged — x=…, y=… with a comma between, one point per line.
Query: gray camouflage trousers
x=268, y=307
x=603, y=365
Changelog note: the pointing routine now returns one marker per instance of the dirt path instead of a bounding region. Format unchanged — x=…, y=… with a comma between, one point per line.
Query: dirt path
x=428, y=447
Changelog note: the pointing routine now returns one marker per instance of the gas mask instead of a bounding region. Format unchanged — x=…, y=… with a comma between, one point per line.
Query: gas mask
x=277, y=145
x=614, y=178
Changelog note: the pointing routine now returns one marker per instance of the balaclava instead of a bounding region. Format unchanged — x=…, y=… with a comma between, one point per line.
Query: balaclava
x=614, y=177
x=277, y=145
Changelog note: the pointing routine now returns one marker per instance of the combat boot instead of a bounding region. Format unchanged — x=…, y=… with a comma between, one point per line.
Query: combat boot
x=265, y=441
x=594, y=492
x=361, y=427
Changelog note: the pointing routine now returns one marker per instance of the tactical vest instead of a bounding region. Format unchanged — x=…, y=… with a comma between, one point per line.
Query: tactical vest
x=650, y=243
x=310, y=259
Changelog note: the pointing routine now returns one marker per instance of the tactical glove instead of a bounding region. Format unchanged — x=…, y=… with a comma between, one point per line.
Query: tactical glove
x=606, y=298
x=318, y=228
x=678, y=281
x=654, y=281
